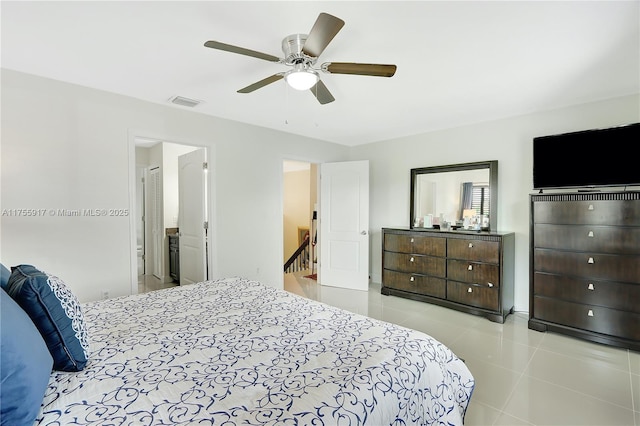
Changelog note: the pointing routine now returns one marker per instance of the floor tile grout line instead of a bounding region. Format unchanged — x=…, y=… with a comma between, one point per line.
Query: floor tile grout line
x=581, y=393
x=633, y=400
x=515, y=386
x=587, y=359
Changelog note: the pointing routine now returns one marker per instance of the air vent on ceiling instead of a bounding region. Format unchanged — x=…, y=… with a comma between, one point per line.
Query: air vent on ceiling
x=181, y=100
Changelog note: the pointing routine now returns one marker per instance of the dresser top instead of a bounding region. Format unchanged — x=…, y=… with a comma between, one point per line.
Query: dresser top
x=594, y=195
x=451, y=232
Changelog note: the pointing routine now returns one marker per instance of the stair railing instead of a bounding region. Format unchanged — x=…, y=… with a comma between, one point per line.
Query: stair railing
x=299, y=260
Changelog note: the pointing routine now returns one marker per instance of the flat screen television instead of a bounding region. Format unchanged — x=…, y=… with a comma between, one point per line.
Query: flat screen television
x=587, y=159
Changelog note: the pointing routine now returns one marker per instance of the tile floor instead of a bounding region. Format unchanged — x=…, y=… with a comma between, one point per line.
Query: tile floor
x=523, y=377
x=148, y=283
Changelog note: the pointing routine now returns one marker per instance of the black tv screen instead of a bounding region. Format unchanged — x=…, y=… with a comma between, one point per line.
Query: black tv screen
x=587, y=159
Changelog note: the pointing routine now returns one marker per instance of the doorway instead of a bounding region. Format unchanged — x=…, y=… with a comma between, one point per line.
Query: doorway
x=340, y=233
x=159, y=213
x=299, y=203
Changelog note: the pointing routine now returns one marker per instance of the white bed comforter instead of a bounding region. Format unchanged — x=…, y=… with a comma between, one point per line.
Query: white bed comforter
x=237, y=352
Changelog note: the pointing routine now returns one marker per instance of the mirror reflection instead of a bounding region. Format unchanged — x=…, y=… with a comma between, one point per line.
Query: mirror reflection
x=455, y=196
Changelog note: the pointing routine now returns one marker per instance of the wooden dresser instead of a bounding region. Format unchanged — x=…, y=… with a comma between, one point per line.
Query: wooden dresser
x=464, y=270
x=585, y=266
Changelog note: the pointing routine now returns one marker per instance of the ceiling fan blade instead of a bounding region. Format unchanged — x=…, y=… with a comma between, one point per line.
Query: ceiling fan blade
x=241, y=50
x=257, y=85
x=376, y=70
x=321, y=93
x=323, y=31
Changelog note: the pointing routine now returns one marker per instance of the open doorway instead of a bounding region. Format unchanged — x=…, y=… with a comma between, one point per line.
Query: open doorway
x=300, y=237
x=161, y=213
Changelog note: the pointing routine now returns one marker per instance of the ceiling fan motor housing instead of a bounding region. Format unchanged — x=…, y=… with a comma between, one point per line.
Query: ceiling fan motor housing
x=292, y=47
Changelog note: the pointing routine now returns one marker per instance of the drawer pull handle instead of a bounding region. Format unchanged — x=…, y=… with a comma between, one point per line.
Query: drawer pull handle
x=590, y=207
x=470, y=268
x=590, y=234
x=469, y=290
x=411, y=279
x=590, y=287
x=490, y=285
x=590, y=260
x=470, y=245
x=590, y=313
x=411, y=260
x=412, y=240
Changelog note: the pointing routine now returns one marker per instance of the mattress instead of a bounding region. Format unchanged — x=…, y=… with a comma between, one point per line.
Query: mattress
x=238, y=352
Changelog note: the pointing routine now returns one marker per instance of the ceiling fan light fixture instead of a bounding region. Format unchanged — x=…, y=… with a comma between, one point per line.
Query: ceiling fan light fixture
x=301, y=79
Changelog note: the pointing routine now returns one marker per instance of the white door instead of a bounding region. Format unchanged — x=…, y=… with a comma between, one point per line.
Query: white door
x=156, y=222
x=192, y=216
x=344, y=225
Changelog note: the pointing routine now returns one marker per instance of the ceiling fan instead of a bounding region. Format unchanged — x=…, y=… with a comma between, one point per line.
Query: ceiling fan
x=301, y=52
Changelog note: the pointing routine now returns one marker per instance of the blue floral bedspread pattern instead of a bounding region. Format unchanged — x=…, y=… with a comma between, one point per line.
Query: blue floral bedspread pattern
x=237, y=352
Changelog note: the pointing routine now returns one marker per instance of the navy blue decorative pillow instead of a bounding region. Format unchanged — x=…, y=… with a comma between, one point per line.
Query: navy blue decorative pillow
x=4, y=275
x=56, y=313
x=25, y=367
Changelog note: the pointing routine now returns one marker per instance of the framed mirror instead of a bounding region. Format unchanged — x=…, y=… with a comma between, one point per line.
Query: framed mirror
x=457, y=192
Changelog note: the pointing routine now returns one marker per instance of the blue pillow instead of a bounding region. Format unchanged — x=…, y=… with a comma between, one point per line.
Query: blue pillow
x=4, y=275
x=25, y=367
x=56, y=313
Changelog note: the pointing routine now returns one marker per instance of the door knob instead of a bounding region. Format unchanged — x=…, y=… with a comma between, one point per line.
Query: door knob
x=363, y=232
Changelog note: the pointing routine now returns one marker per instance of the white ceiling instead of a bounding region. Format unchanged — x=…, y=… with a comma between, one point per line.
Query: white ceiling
x=458, y=62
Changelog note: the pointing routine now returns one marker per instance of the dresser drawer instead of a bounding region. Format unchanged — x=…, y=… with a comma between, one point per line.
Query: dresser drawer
x=472, y=272
x=415, y=283
x=401, y=262
x=479, y=250
x=601, y=239
x=590, y=292
x=473, y=295
x=587, y=212
x=588, y=317
x=432, y=246
x=590, y=265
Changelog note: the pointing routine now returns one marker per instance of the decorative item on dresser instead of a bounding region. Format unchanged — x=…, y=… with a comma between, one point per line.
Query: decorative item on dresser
x=469, y=271
x=585, y=266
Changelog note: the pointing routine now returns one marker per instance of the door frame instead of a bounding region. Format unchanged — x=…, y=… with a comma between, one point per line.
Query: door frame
x=154, y=228
x=141, y=221
x=133, y=136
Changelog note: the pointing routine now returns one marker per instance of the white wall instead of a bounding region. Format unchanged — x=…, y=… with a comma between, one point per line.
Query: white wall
x=509, y=141
x=70, y=147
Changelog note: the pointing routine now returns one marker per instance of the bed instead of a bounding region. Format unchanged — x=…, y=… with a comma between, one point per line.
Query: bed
x=238, y=352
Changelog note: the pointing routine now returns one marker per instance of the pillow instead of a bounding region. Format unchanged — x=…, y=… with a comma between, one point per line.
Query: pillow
x=25, y=367
x=56, y=313
x=4, y=275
